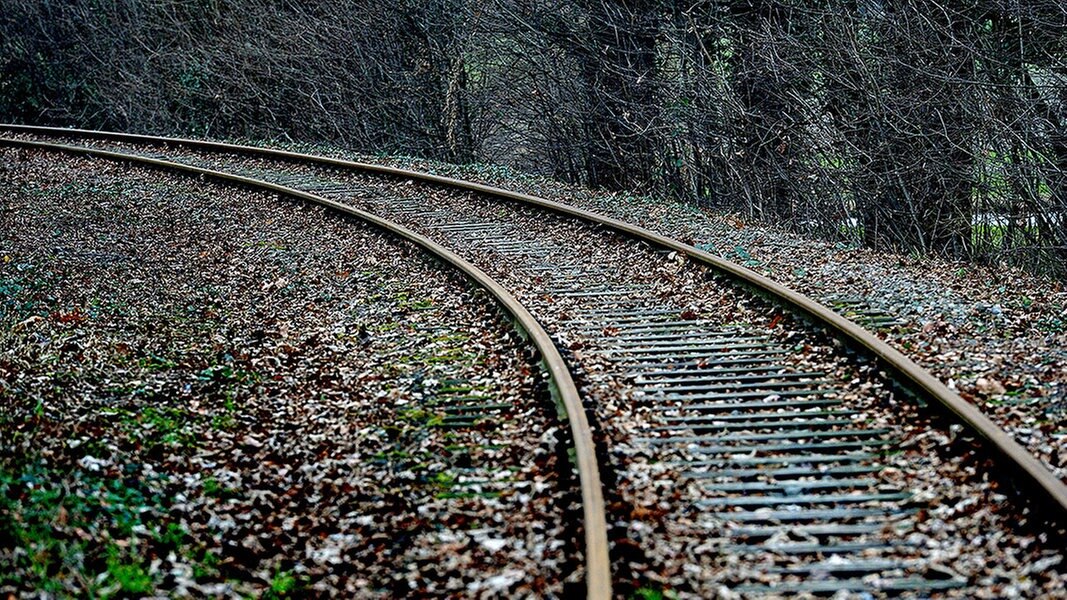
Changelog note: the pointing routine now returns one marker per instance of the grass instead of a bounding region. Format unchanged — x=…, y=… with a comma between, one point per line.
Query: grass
x=224, y=373
x=284, y=584
x=81, y=533
x=227, y=419
x=214, y=489
x=17, y=297
x=156, y=425
x=455, y=337
x=405, y=302
x=167, y=426
x=206, y=565
x=154, y=364
x=444, y=480
x=746, y=258
x=45, y=510
x=420, y=417
x=387, y=327
x=127, y=572
x=652, y=593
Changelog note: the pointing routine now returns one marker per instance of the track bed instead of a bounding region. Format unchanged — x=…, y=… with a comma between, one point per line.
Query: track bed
x=747, y=452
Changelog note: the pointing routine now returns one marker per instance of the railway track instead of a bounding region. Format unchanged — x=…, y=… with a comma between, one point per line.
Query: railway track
x=463, y=408
x=744, y=448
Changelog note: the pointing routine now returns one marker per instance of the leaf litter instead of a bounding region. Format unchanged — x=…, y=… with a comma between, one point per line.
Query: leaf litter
x=209, y=391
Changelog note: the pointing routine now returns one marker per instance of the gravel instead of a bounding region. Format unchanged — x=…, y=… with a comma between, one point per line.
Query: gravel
x=216, y=392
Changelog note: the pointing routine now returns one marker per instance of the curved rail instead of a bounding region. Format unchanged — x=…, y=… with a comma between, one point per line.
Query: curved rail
x=907, y=371
x=598, y=569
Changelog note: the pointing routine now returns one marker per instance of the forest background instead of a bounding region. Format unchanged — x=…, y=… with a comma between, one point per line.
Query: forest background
x=920, y=126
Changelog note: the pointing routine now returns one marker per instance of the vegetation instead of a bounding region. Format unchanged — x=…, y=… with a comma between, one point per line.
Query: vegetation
x=917, y=125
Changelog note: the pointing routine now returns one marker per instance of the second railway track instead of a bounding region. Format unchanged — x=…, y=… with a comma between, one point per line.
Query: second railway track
x=748, y=452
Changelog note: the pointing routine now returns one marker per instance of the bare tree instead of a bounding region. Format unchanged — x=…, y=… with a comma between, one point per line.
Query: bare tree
x=935, y=126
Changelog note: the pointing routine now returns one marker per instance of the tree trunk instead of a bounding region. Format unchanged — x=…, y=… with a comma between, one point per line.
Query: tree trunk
x=619, y=71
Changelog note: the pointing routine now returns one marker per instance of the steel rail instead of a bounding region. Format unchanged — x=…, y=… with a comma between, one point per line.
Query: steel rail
x=1028, y=469
x=597, y=563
